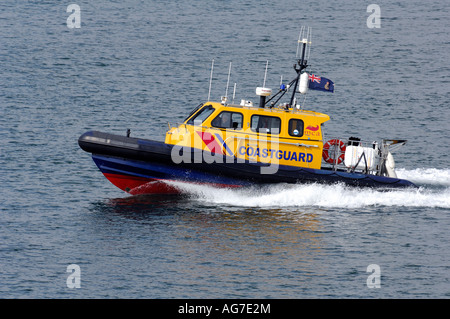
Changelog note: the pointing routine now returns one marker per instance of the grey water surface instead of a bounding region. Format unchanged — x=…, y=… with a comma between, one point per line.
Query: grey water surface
x=140, y=64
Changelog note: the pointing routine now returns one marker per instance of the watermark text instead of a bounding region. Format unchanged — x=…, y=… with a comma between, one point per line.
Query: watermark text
x=374, y=279
x=74, y=279
x=74, y=19
x=374, y=20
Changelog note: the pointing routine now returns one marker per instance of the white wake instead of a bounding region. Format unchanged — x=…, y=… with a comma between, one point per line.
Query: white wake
x=339, y=196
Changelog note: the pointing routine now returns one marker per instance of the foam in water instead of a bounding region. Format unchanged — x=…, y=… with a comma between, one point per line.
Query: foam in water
x=338, y=196
x=427, y=176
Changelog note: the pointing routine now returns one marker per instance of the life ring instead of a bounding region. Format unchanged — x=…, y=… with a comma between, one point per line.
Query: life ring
x=326, y=156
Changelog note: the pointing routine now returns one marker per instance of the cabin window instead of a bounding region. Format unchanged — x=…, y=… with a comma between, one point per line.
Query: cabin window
x=266, y=124
x=296, y=127
x=228, y=119
x=193, y=111
x=201, y=116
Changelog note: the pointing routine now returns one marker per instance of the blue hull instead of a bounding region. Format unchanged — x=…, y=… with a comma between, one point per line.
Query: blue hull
x=130, y=163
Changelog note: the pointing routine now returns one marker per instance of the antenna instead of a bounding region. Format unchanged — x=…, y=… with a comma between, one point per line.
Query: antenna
x=210, y=79
x=224, y=99
x=309, y=37
x=303, y=104
x=304, y=39
x=263, y=91
x=302, y=30
x=234, y=92
x=265, y=74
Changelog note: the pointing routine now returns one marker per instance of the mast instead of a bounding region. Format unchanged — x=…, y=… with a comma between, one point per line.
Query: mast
x=225, y=98
x=304, y=39
x=210, y=79
x=263, y=92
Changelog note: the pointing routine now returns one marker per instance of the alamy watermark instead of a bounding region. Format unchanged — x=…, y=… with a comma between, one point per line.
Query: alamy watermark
x=374, y=279
x=74, y=279
x=74, y=19
x=374, y=20
x=263, y=149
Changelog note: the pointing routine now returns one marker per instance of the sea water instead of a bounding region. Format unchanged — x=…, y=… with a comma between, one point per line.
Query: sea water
x=66, y=232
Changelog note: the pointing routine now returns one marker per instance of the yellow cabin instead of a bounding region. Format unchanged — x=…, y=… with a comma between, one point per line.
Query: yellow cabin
x=267, y=135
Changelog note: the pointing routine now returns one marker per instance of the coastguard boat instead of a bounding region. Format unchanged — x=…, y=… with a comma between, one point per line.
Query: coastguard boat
x=239, y=145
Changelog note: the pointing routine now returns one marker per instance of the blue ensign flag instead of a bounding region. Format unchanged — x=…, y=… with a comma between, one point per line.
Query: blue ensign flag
x=320, y=83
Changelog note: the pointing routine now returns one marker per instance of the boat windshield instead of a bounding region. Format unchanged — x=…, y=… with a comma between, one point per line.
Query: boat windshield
x=193, y=111
x=201, y=116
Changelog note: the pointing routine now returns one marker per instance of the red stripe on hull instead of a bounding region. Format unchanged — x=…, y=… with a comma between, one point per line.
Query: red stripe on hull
x=140, y=185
